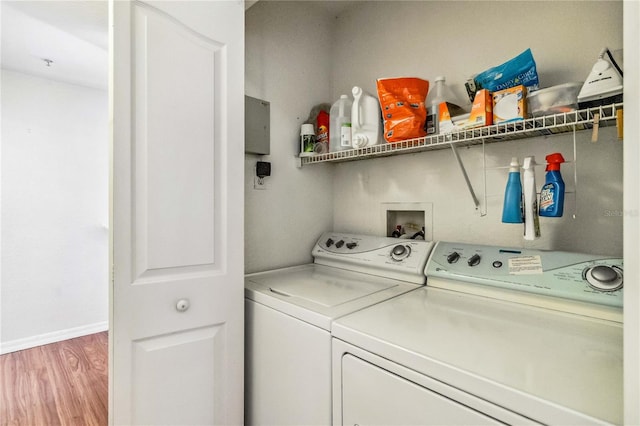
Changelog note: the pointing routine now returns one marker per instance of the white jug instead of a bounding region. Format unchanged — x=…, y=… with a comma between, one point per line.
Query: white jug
x=340, y=124
x=366, y=119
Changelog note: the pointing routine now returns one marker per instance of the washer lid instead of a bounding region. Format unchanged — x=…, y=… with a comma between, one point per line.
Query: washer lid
x=327, y=287
x=318, y=294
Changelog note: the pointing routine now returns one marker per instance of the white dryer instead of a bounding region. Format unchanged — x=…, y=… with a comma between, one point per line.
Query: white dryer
x=496, y=336
x=289, y=314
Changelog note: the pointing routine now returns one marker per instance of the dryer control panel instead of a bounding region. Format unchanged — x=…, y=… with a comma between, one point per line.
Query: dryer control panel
x=575, y=276
x=402, y=259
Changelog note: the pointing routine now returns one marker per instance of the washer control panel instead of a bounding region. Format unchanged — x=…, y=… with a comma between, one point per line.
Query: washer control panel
x=584, y=277
x=403, y=259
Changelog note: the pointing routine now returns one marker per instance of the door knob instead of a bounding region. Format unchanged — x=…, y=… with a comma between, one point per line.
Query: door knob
x=182, y=305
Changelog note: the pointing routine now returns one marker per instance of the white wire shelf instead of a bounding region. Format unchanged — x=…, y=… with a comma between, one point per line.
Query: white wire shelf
x=537, y=126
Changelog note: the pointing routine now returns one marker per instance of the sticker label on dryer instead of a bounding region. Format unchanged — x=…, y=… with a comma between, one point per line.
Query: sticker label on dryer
x=525, y=265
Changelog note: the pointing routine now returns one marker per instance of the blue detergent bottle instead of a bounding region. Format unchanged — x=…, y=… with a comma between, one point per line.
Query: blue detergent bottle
x=552, y=193
x=512, y=207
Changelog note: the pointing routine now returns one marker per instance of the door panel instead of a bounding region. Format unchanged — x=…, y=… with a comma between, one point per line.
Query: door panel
x=177, y=195
x=190, y=390
x=174, y=142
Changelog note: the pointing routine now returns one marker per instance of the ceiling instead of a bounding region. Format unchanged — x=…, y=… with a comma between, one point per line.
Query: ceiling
x=68, y=40
x=333, y=7
x=71, y=34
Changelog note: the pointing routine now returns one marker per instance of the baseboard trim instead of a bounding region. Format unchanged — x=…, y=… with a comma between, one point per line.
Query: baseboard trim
x=55, y=336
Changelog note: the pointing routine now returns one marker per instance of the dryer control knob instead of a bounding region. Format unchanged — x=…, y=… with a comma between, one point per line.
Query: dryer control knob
x=474, y=260
x=400, y=252
x=604, y=277
x=329, y=242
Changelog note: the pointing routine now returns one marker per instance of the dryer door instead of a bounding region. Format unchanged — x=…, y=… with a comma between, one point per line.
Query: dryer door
x=371, y=395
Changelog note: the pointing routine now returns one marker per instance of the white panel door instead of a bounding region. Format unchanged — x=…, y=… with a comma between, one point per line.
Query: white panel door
x=176, y=330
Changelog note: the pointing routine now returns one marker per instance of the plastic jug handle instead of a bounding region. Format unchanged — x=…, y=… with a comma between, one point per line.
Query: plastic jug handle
x=357, y=95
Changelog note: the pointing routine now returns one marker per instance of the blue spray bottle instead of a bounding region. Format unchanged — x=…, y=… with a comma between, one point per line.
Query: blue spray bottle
x=512, y=207
x=552, y=193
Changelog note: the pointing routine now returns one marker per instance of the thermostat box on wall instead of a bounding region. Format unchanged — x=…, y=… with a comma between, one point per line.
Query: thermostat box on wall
x=256, y=126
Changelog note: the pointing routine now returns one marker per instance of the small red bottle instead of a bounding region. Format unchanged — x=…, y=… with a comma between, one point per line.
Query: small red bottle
x=322, y=133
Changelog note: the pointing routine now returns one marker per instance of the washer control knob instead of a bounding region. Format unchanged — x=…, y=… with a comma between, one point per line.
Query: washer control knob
x=400, y=252
x=474, y=260
x=497, y=264
x=604, y=277
x=453, y=257
x=329, y=242
x=351, y=246
x=339, y=243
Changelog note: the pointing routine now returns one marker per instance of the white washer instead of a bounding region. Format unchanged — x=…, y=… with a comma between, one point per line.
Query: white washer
x=289, y=313
x=496, y=336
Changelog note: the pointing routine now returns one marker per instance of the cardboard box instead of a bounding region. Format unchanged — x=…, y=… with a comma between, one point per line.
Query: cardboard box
x=447, y=113
x=510, y=105
x=481, y=111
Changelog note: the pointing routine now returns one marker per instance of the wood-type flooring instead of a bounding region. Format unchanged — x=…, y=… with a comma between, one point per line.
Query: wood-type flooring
x=63, y=383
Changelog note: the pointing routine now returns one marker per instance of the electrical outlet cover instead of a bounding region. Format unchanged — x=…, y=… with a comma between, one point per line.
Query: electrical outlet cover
x=259, y=183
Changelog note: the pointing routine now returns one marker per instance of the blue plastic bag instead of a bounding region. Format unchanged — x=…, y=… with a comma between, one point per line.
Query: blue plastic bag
x=517, y=71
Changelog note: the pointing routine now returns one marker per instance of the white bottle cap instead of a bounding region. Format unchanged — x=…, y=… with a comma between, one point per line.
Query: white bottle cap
x=529, y=163
x=514, y=166
x=360, y=141
x=307, y=129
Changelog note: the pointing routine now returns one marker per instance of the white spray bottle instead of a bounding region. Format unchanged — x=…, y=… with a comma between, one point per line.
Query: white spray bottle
x=530, y=200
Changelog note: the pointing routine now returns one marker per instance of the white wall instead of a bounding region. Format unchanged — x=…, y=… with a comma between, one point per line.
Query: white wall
x=287, y=62
x=632, y=215
x=460, y=38
x=457, y=39
x=54, y=211
x=435, y=178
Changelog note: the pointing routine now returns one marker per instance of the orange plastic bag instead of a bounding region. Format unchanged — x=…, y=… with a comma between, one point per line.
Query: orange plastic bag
x=403, y=109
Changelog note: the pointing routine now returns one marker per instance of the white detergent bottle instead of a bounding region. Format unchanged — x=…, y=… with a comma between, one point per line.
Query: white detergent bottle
x=340, y=124
x=530, y=200
x=366, y=119
x=437, y=97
